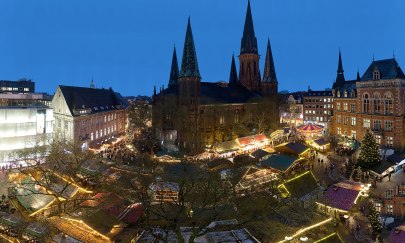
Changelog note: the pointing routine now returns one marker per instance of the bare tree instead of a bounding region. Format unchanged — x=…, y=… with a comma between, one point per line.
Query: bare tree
x=55, y=171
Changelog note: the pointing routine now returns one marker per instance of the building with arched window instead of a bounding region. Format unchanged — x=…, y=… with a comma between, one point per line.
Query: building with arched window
x=375, y=101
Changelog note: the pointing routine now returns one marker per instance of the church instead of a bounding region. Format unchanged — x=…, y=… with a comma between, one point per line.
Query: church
x=194, y=115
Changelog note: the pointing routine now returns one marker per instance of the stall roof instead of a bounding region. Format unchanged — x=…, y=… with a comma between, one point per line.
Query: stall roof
x=31, y=198
x=251, y=139
x=341, y=195
x=321, y=142
x=279, y=162
x=301, y=185
x=396, y=158
x=228, y=146
x=397, y=235
x=292, y=148
x=260, y=153
x=332, y=238
x=382, y=167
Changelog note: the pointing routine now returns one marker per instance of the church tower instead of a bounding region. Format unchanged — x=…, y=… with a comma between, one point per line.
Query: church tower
x=340, y=77
x=189, y=95
x=249, y=73
x=269, y=85
x=189, y=80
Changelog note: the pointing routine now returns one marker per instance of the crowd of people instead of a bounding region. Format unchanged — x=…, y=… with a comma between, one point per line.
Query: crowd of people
x=118, y=151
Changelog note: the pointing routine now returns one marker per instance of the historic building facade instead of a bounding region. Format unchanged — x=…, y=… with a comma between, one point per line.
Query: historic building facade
x=318, y=107
x=88, y=116
x=193, y=114
x=375, y=101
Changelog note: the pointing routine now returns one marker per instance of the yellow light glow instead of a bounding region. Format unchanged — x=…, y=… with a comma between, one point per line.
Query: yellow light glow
x=308, y=228
x=71, y=181
x=89, y=230
x=43, y=209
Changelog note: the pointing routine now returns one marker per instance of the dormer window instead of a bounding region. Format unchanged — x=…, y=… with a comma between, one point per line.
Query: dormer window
x=338, y=94
x=345, y=94
x=376, y=74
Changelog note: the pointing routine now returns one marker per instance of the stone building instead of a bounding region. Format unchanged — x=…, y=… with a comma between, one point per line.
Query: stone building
x=375, y=101
x=318, y=107
x=193, y=114
x=24, y=123
x=88, y=116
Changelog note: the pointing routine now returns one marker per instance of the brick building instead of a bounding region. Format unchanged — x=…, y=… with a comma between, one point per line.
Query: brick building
x=89, y=116
x=375, y=101
x=193, y=114
x=392, y=202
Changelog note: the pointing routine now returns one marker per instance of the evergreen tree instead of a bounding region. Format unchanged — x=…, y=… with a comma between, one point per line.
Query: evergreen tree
x=369, y=151
x=373, y=217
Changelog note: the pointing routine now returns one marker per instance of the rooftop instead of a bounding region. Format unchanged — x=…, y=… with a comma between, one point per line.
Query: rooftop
x=280, y=162
x=301, y=185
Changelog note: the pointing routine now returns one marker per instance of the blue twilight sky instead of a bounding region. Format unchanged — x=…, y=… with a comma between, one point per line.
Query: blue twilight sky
x=127, y=44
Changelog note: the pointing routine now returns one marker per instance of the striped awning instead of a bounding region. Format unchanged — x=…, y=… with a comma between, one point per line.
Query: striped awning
x=309, y=128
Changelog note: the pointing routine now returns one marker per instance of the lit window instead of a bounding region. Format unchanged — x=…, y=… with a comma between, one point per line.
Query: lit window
x=388, y=126
x=353, y=121
x=390, y=141
x=339, y=130
x=354, y=134
x=91, y=137
x=366, y=123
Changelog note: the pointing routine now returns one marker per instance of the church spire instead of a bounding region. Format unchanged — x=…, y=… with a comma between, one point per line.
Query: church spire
x=340, y=77
x=233, y=77
x=358, y=75
x=189, y=65
x=249, y=41
x=174, y=72
x=269, y=74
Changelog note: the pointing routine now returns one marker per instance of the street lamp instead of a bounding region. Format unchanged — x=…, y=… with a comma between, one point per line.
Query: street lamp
x=288, y=238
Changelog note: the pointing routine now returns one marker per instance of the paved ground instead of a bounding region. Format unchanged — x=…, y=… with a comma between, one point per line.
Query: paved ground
x=3, y=183
x=386, y=184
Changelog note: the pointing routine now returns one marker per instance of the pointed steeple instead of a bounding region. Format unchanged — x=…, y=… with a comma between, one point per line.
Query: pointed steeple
x=249, y=41
x=174, y=71
x=154, y=90
x=358, y=75
x=269, y=74
x=189, y=65
x=233, y=77
x=92, y=84
x=340, y=78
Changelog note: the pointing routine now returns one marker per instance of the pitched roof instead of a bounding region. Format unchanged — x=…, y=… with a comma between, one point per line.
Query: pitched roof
x=348, y=86
x=98, y=100
x=318, y=93
x=397, y=235
x=292, y=147
x=301, y=185
x=280, y=162
x=233, y=76
x=388, y=68
x=174, y=71
x=189, y=64
x=214, y=93
x=269, y=74
x=341, y=196
x=249, y=41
